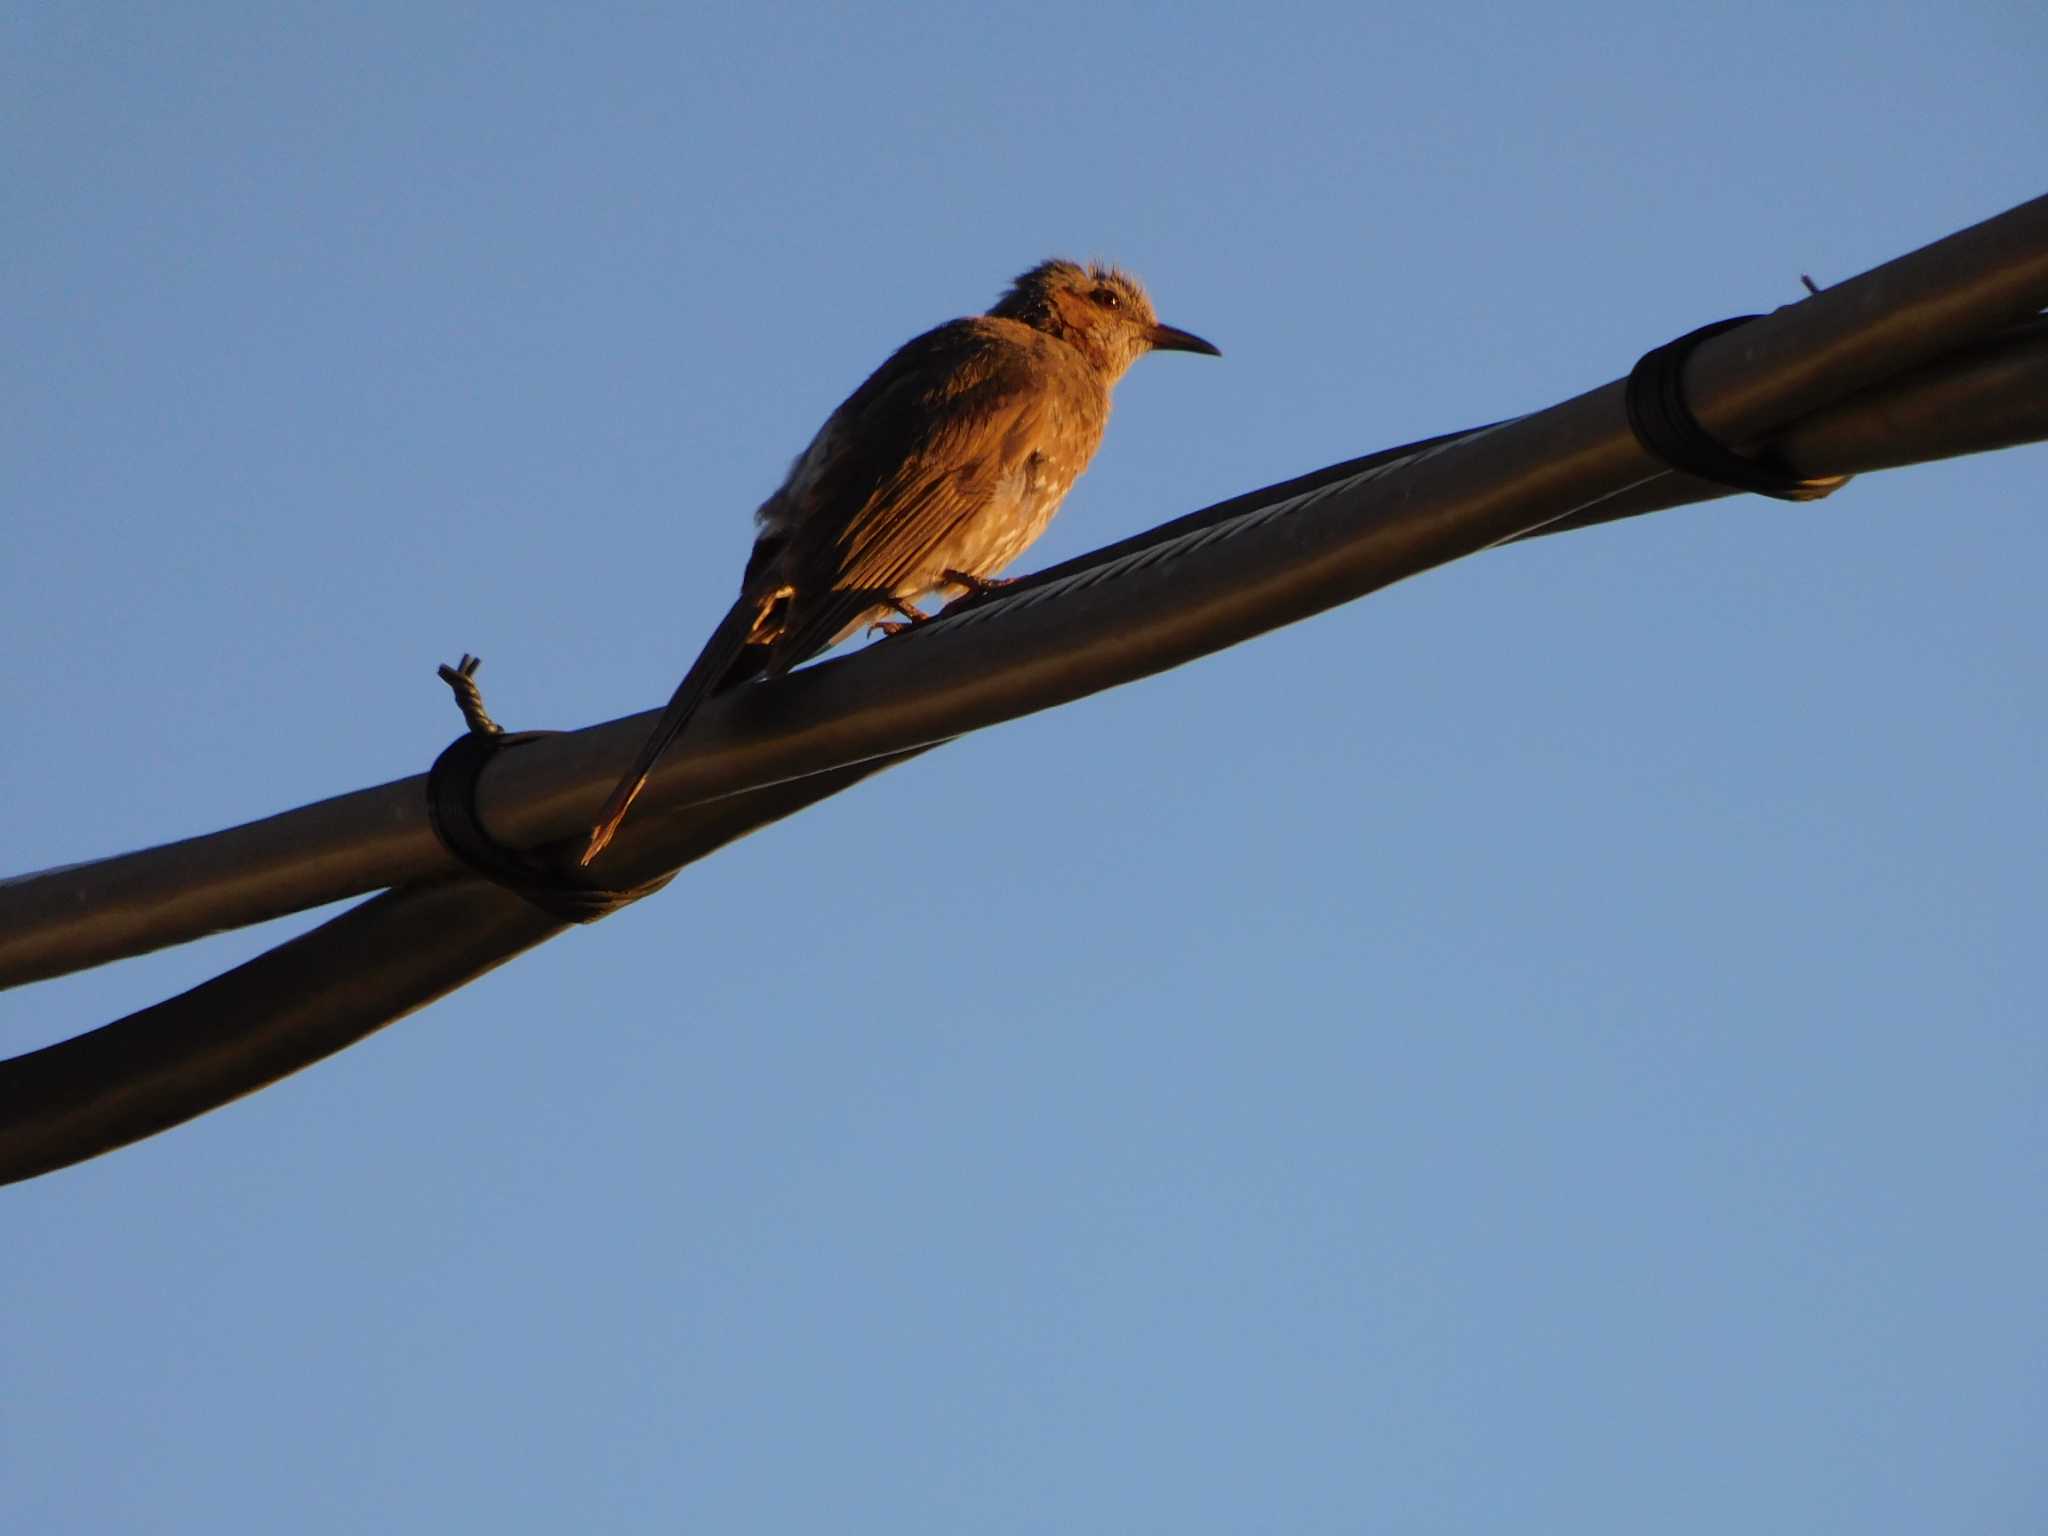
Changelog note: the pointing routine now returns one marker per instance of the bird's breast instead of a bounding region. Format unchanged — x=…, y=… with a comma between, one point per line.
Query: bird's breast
x=1023, y=504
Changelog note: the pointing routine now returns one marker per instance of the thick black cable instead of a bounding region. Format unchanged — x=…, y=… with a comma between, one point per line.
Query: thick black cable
x=1985, y=395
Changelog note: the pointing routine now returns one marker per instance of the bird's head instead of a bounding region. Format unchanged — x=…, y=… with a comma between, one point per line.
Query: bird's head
x=1103, y=312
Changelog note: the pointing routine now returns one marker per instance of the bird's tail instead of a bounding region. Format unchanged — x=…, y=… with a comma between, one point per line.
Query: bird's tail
x=713, y=668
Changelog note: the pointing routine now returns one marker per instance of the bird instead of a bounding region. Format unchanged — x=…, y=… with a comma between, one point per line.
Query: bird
x=929, y=479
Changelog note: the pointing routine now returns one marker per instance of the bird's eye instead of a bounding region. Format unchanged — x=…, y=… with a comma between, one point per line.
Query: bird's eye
x=1108, y=298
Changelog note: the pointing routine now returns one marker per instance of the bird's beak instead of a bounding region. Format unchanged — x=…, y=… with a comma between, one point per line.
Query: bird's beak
x=1171, y=338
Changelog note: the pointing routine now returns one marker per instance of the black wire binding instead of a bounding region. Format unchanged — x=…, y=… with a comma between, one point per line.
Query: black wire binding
x=1669, y=432
x=451, y=807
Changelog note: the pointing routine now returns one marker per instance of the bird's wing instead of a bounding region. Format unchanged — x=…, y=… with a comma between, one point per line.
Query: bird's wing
x=938, y=433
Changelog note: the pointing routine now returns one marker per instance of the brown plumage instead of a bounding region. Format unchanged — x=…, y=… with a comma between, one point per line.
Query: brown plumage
x=932, y=477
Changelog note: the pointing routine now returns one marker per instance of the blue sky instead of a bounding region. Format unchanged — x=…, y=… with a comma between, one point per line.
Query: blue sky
x=1555, y=1046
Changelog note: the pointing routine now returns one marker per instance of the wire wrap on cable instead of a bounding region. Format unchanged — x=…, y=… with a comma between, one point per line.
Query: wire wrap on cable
x=451, y=808
x=1669, y=432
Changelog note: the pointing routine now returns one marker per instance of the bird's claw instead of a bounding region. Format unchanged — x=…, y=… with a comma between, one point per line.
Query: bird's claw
x=912, y=617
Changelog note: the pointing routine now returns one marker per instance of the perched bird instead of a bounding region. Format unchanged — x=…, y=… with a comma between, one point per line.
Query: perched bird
x=932, y=476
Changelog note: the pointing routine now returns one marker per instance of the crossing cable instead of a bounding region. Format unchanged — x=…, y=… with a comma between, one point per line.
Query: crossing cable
x=1074, y=631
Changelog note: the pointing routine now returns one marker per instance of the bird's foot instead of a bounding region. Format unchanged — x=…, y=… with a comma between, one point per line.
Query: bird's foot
x=912, y=617
x=976, y=586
